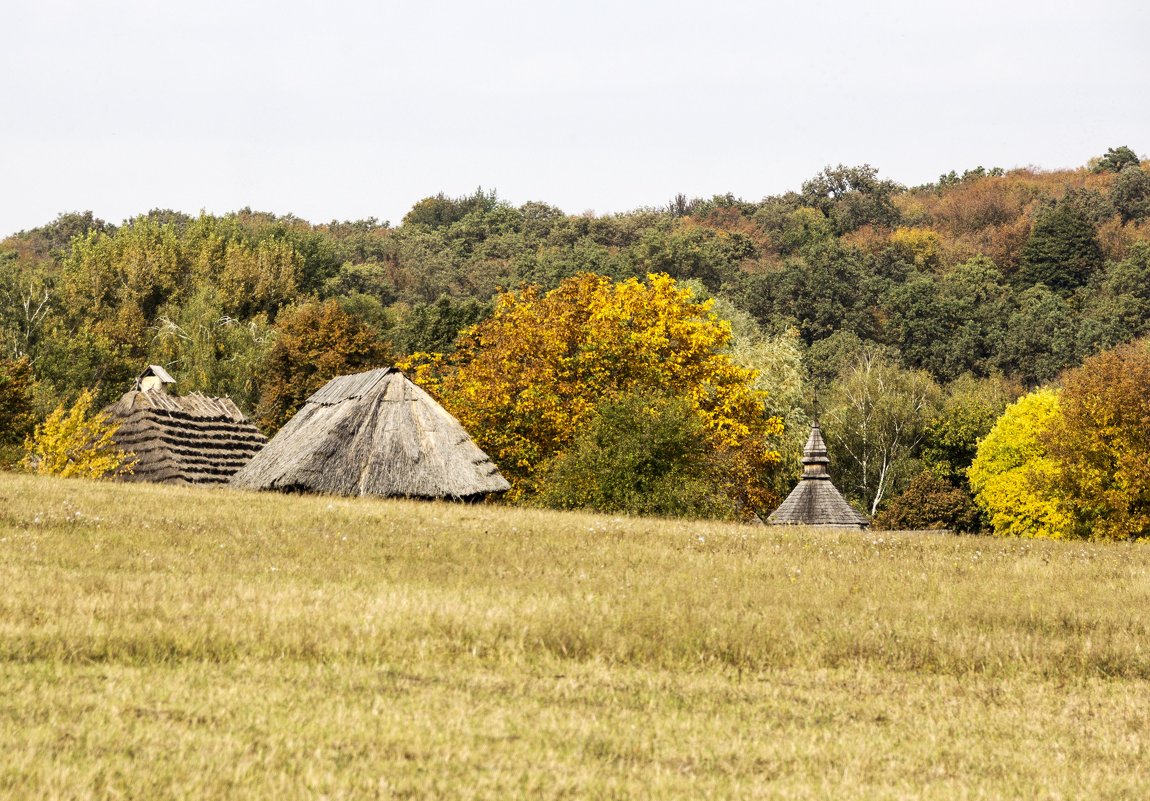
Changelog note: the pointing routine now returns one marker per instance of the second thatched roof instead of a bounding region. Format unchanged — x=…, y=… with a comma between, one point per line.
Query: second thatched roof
x=373, y=433
x=188, y=439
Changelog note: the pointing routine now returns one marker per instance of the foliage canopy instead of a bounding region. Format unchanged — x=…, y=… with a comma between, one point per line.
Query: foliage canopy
x=528, y=379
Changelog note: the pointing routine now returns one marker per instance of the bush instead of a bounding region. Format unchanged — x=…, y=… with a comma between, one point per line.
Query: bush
x=74, y=443
x=931, y=502
x=642, y=454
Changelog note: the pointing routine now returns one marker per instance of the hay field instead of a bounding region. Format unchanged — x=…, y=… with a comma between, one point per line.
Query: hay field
x=177, y=643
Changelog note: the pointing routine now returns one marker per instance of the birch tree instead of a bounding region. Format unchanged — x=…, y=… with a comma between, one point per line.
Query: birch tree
x=876, y=416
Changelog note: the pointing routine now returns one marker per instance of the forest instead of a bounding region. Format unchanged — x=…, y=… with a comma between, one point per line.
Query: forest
x=662, y=361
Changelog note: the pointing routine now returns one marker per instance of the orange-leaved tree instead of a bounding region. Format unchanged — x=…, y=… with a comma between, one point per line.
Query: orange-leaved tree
x=1101, y=443
x=525, y=381
x=314, y=343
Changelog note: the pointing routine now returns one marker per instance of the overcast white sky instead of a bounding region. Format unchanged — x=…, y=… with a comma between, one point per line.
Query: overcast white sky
x=349, y=109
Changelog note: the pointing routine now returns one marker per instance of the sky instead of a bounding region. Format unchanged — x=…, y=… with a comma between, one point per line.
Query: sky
x=350, y=109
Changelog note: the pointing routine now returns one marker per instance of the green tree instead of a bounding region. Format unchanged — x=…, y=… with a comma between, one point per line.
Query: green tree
x=1062, y=251
x=1116, y=159
x=967, y=414
x=685, y=250
x=211, y=351
x=804, y=227
x=1041, y=337
x=1130, y=194
x=876, y=416
x=641, y=454
x=1117, y=305
x=852, y=197
x=825, y=290
x=441, y=211
x=433, y=327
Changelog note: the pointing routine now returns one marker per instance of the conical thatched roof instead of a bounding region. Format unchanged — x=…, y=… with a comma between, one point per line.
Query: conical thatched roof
x=190, y=439
x=815, y=501
x=373, y=433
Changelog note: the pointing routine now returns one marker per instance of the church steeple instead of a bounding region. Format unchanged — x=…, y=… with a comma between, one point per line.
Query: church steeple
x=816, y=463
x=815, y=501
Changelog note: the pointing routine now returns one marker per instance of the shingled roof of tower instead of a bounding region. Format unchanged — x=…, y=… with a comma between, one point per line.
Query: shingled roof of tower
x=815, y=501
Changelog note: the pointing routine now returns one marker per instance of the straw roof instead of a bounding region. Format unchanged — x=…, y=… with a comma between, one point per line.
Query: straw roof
x=189, y=439
x=373, y=433
x=815, y=501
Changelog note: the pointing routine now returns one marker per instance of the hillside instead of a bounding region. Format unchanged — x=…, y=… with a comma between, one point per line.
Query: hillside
x=962, y=295
x=165, y=642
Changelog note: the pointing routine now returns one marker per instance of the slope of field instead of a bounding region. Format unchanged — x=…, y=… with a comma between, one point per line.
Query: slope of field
x=183, y=643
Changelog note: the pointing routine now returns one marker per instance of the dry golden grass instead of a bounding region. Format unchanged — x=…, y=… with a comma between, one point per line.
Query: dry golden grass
x=164, y=642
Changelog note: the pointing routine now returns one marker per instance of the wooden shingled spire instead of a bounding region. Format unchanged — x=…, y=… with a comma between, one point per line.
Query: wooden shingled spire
x=815, y=501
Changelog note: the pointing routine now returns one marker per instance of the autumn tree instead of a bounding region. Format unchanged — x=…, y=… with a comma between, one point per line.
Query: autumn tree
x=1101, y=445
x=526, y=381
x=75, y=442
x=115, y=282
x=314, y=342
x=1013, y=473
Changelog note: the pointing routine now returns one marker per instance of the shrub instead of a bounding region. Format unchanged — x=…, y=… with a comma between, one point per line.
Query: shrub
x=74, y=442
x=642, y=454
x=930, y=502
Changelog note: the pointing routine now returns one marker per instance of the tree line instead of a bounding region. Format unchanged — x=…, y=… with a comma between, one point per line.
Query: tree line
x=907, y=319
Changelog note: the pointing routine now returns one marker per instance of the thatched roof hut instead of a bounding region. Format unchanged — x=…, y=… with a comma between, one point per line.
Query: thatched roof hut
x=190, y=439
x=815, y=501
x=373, y=433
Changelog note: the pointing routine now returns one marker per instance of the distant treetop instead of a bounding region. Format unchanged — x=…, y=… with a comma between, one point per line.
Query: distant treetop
x=1116, y=159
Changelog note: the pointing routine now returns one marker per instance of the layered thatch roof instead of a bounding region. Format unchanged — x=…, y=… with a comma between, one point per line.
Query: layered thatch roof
x=373, y=433
x=815, y=501
x=190, y=439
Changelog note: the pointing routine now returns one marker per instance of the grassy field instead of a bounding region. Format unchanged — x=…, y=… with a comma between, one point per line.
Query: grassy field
x=175, y=643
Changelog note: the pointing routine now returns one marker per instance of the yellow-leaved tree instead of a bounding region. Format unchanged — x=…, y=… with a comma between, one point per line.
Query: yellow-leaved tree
x=74, y=442
x=528, y=379
x=1014, y=477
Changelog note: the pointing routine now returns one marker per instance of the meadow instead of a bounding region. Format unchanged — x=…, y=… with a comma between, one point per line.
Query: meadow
x=167, y=642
